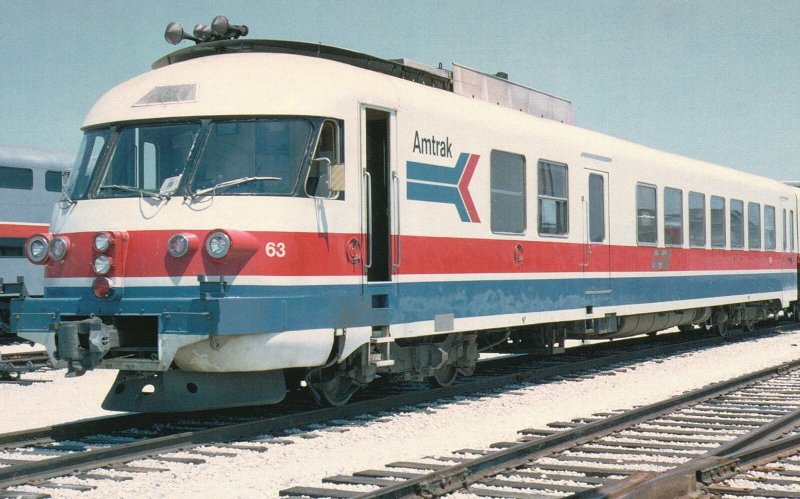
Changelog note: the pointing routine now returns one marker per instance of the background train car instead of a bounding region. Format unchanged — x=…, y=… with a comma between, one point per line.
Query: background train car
x=30, y=184
x=260, y=213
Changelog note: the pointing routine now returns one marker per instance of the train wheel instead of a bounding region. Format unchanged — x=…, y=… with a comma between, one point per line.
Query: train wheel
x=444, y=376
x=746, y=325
x=337, y=391
x=719, y=329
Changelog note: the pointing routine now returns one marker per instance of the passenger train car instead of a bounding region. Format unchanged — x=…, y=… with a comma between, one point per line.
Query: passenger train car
x=255, y=216
x=30, y=184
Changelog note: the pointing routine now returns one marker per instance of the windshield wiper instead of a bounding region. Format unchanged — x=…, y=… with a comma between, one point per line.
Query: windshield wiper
x=231, y=183
x=137, y=190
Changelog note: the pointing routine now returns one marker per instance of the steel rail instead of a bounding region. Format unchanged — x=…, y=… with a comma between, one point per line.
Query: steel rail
x=766, y=444
x=96, y=458
x=455, y=477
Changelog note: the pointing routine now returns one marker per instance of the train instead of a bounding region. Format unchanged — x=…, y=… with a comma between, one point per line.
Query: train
x=255, y=217
x=30, y=184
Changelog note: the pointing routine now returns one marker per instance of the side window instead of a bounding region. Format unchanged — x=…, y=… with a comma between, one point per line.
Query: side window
x=718, y=236
x=673, y=217
x=770, y=237
x=753, y=226
x=646, y=215
x=553, y=198
x=508, y=192
x=597, y=208
x=737, y=223
x=327, y=154
x=52, y=181
x=697, y=219
x=16, y=178
x=12, y=247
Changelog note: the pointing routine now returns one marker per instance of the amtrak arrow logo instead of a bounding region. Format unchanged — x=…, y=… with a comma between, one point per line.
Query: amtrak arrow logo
x=445, y=184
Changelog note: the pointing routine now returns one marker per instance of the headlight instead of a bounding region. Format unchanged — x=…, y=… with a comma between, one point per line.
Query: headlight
x=58, y=248
x=103, y=241
x=181, y=244
x=102, y=264
x=218, y=244
x=36, y=248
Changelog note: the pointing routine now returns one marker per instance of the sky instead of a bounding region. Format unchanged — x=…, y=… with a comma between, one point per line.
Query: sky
x=717, y=80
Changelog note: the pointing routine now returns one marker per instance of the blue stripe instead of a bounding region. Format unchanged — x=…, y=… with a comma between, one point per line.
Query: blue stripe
x=436, y=193
x=245, y=309
x=427, y=172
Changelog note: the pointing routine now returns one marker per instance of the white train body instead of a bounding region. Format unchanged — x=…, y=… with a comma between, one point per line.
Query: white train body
x=444, y=224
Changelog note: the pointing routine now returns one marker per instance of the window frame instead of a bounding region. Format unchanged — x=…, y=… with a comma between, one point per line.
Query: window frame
x=692, y=233
x=724, y=215
x=770, y=243
x=742, y=231
x=551, y=197
x=22, y=182
x=754, y=230
x=593, y=216
x=522, y=194
x=668, y=194
x=639, y=186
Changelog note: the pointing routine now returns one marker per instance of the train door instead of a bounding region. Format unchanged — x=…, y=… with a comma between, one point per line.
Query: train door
x=786, y=244
x=597, y=238
x=377, y=171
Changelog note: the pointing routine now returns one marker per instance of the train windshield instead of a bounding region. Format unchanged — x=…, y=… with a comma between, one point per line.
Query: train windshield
x=263, y=156
x=92, y=147
x=144, y=157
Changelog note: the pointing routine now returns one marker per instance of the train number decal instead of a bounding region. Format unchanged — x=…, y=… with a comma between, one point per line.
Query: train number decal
x=275, y=250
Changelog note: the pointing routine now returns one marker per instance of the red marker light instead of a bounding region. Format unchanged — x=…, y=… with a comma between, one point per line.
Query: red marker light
x=102, y=287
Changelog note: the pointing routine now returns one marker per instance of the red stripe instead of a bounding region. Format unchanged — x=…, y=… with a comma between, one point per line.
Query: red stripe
x=463, y=187
x=144, y=254
x=311, y=254
x=21, y=230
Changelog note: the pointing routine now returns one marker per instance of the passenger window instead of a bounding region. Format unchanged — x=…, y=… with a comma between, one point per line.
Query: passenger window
x=718, y=239
x=673, y=217
x=553, y=199
x=737, y=223
x=646, y=215
x=507, y=192
x=597, y=209
x=12, y=247
x=697, y=219
x=770, y=239
x=753, y=226
x=52, y=181
x=16, y=178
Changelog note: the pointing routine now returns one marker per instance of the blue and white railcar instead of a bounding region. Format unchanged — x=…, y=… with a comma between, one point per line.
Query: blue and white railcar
x=30, y=184
x=250, y=214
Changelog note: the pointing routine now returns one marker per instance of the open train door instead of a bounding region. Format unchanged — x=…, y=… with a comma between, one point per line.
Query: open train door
x=597, y=238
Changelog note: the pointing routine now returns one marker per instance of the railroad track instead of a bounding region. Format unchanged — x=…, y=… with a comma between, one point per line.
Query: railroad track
x=13, y=365
x=37, y=456
x=666, y=449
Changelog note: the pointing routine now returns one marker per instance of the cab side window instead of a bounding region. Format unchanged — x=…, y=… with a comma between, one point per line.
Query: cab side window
x=328, y=152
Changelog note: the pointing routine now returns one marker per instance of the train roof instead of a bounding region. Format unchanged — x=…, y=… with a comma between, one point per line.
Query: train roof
x=32, y=157
x=461, y=80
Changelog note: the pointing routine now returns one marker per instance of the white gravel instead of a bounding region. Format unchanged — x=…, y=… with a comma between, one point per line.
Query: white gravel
x=409, y=436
